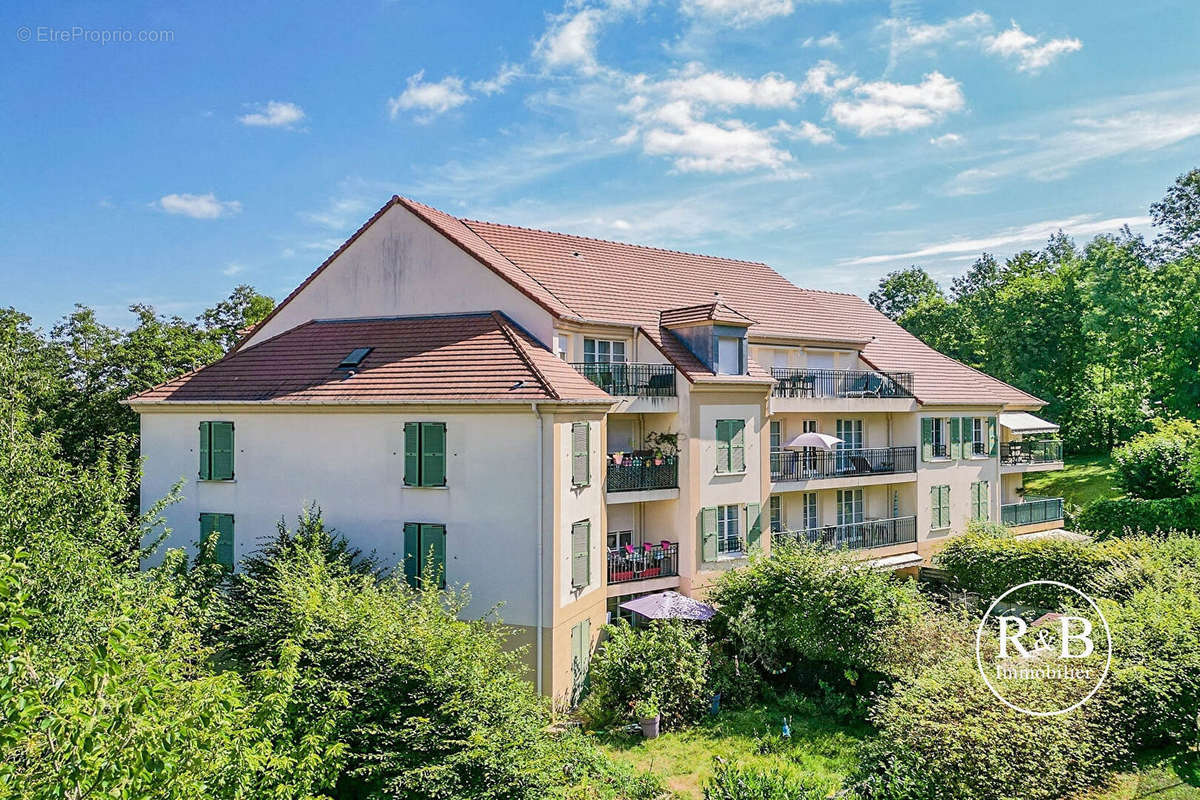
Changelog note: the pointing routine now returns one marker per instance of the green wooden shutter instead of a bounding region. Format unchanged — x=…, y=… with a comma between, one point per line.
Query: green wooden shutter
x=992, y=438
x=939, y=499
x=412, y=552
x=208, y=525
x=955, y=443
x=753, y=525
x=581, y=462
x=968, y=437
x=221, y=451
x=581, y=554
x=224, y=549
x=433, y=552
x=982, y=501
x=205, y=439
x=581, y=650
x=945, y=504
x=412, y=454
x=723, y=437
x=926, y=438
x=708, y=533
x=737, y=446
x=433, y=454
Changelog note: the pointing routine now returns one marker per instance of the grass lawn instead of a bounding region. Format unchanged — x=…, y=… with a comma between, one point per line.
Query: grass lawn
x=1084, y=479
x=819, y=748
x=1161, y=778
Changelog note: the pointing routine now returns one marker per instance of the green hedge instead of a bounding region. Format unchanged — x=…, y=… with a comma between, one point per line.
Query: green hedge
x=1118, y=517
x=989, y=560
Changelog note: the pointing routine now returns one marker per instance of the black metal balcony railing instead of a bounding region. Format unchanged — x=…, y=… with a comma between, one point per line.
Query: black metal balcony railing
x=642, y=562
x=858, y=535
x=841, y=383
x=1032, y=511
x=638, y=473
x=1031, y=452
x=801, y=465
x=631, y=380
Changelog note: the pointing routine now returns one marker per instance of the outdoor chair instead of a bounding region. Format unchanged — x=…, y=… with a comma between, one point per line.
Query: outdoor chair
x=860, y=464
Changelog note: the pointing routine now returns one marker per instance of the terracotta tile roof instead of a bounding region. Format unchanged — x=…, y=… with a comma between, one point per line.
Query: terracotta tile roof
x=460, y=357
x=581, y=278
x=624, y=283
x=707, y=312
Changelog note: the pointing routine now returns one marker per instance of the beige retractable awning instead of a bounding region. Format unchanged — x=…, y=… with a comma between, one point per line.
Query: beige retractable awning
x=1024, y=422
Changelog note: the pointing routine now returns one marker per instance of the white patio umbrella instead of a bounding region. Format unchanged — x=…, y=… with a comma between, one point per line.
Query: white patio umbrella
x=820, y=441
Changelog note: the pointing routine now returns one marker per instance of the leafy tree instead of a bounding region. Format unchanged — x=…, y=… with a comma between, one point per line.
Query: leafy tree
x=228, y=319
x=1178, y=216
x=903, y=289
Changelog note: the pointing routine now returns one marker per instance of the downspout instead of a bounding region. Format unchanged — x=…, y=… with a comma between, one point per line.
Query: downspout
x=538, y=589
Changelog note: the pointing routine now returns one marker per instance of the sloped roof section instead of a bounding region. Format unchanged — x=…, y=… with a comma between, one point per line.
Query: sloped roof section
x=607, y=281
x=483, y=357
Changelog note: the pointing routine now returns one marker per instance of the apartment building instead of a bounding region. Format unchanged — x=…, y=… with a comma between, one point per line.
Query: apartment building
x=562, y=423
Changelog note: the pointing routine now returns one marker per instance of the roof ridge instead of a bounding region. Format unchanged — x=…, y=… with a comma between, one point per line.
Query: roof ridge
x=518, y=347
x=468, y=222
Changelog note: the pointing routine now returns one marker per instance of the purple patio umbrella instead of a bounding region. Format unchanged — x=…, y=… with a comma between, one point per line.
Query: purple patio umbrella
x=670, y=605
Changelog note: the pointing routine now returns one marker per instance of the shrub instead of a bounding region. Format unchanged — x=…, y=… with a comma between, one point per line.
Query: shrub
x=425, y=704
x=1125, y=516
x=733, y=781
x=805, y=615
x=666, y=662
x=1159, y=463
x=944, y=735
x=989, y=560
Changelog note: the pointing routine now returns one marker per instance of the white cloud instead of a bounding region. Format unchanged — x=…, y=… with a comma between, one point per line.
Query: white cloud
x=274, y=114
x=909, y=35
x=947, y=140
x=718, y=89
x=1030, y=55
x=498, y=82
x=430, y=99
x=882, y=107
x=806, y=131
x=738, y=12
x=233, y=269
x=700, y=146
x=1084, y=140
x=198, y=206
x=826, y=79
x=1083, y=225
x=830, y=40
x=571, y=40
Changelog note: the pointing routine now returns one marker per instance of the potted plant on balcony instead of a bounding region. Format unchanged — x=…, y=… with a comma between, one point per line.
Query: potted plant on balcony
x=618, y=457
x=648, y=716
x=664, y=445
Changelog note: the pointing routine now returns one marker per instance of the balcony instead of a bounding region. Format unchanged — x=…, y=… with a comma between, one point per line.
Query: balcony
x=857, y=535
x=1033, y=511
x=643, y=562
x=1034, y=452
x=796, y=465
x=641, y=474
x=631, y=380
x=857, y=384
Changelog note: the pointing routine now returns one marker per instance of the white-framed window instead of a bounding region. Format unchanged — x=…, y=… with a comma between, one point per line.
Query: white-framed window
x=849, y=506
x=808, y=504
x=561, y=343
x=729, y=535
x=618, y=539
x=603, y=351
x=939, y=438
x=776, y=504
x=979, y=436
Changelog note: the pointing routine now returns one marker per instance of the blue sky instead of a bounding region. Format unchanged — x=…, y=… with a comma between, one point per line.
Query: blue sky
x=834, y=140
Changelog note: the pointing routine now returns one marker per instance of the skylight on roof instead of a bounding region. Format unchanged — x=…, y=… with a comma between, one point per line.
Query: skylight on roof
x=355, y=358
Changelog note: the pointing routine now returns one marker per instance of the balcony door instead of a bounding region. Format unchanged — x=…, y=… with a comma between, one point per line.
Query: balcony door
x=849, y=506
x=850, y=431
